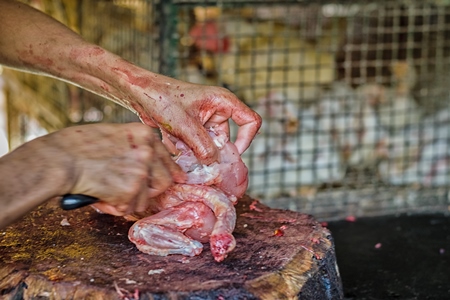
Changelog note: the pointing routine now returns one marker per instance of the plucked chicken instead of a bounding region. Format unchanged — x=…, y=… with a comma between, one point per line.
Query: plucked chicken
x=187, y=215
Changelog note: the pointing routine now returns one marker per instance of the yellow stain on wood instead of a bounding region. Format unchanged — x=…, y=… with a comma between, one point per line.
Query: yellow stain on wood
x=45, y=244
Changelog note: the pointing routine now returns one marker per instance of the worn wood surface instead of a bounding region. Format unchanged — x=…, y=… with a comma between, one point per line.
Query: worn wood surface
x=279, y=255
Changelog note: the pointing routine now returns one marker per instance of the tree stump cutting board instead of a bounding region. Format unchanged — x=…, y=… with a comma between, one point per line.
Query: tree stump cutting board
x=80, y=254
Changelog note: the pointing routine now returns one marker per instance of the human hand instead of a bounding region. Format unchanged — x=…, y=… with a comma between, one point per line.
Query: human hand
x=123, y=165
x=185, y=110
x=180, y=108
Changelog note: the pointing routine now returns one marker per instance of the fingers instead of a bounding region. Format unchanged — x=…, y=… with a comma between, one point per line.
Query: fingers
x=249, y=123
x=133, y=172
x=139, y=202
x=162, y=172
x=165, y=161
x=168, y=143
x=142, y=199
x=219, y=122
x=197, y=138
x=248, y=120
x=159, y=179
x=245, y=136
x=108, y=209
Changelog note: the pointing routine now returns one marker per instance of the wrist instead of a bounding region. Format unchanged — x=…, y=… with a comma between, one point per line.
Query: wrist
x=53, y=165
x=31, y=175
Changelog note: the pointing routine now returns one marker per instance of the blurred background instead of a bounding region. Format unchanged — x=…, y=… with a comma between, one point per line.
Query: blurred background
x=353, y=94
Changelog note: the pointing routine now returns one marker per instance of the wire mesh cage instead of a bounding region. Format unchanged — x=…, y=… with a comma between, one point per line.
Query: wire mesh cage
x=353, y=94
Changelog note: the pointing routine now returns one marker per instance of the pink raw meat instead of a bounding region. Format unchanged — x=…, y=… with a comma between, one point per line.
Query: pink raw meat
x=203, y=209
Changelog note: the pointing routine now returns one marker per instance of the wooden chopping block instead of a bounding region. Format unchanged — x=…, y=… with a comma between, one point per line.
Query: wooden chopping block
x=56, y=254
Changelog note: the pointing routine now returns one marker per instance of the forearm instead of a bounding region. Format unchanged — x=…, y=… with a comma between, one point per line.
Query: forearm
x=30, y=40
x=35, y=42
x=30, y=175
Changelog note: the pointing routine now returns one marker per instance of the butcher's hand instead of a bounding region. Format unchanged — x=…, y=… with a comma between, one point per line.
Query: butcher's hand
x=182, y=109
x=123, y=165
x=185, y=110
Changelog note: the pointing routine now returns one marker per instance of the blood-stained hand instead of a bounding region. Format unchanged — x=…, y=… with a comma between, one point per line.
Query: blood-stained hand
x=179, y=108
x=186, y=110
x=123, y=165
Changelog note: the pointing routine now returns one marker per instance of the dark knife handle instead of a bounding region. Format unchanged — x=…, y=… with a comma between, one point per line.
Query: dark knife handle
x=73, y=201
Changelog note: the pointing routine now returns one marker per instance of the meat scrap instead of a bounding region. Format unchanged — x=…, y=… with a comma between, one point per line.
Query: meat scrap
x=253, y=206
x=278, y=232
x=201, y=210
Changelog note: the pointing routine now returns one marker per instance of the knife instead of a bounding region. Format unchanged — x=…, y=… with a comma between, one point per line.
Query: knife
x=74, y=201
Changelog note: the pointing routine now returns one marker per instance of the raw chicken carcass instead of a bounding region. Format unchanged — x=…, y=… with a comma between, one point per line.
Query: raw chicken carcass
x=187, y=215
x=229, y=175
